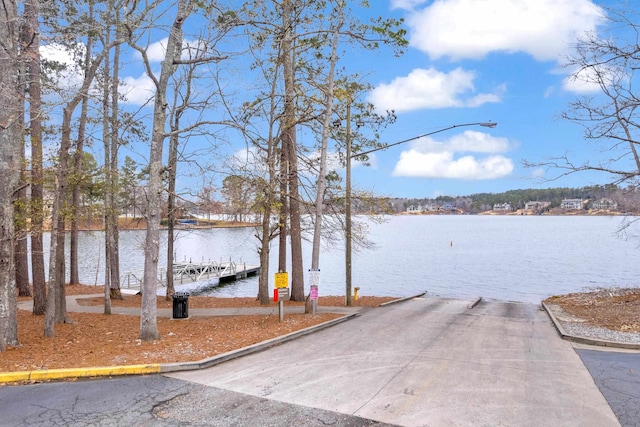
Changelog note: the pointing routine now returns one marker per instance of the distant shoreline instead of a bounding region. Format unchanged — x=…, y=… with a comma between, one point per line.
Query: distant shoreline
x=554, y=212
x=141, y=224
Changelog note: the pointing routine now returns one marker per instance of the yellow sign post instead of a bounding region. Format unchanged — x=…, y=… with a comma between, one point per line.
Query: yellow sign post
x=282, y=280
x=281, y=291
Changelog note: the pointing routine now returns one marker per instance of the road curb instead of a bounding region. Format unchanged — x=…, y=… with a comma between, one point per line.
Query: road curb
x=263, y=345
x=585, y=340
x=74, y=373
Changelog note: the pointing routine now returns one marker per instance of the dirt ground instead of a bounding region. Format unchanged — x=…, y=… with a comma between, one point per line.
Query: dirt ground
x=102, y=340
x=615, y=309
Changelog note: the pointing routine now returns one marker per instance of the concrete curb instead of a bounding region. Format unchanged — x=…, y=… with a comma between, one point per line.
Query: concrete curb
x=216, y=360
x=74, y=373
x=585, y=340
x=395, y=301
x=109, y=371
x=475, y=302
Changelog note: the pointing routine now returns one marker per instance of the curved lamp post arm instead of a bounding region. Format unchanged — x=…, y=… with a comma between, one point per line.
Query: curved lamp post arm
x=485, y=124
x=348, y=187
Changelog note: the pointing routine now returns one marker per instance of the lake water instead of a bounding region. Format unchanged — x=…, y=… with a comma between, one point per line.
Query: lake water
x=516, y=258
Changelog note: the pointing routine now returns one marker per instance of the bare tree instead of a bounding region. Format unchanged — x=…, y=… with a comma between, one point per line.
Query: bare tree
x=148, y=315
x=21, y=204
x=74, y=275
x=31, y=54
x=180, y=105
x=608, y=65
x=326, y=123
x=296, y=39
x=56, y=303
x=10, y=140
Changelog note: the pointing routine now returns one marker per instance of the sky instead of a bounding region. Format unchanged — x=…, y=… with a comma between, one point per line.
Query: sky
x=472, y=61
x=468, y=62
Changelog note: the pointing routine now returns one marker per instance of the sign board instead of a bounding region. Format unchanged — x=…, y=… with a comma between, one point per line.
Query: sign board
x=283, y=294
x=282, y=280
x=313, y=293
x=314, y=277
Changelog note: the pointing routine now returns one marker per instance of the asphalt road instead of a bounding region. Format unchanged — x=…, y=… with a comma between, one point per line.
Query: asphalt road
x=617, y=375
x=424, y=362
x=153, y=400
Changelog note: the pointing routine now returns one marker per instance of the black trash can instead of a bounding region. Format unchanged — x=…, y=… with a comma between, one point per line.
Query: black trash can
x=180, y=305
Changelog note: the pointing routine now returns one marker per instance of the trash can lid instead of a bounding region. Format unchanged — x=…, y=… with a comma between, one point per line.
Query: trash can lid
x=180, y=294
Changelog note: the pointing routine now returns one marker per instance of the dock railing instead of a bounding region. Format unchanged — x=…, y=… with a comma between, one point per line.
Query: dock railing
x=184, y=272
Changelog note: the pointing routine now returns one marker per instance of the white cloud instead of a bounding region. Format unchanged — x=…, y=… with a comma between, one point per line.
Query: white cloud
x=138, y=90
x=248, y=159
x=432, y=159
x=430, y=88
x=155, y=51
x=468, y=141
x=406, y=4
x=471, y=29
x=586, y=80
x=70, y=77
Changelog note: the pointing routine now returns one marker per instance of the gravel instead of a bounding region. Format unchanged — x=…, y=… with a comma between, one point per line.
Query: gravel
x=583, y=330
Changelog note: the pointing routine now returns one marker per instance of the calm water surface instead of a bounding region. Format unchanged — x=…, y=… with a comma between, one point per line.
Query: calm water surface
x=517, y=258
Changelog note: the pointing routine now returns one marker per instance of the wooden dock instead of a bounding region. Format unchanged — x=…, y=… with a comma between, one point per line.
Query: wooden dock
x=190, y=272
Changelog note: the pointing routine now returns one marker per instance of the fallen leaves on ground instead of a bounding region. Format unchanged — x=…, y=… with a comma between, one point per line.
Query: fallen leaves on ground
x=617, y=309
x=112, y=340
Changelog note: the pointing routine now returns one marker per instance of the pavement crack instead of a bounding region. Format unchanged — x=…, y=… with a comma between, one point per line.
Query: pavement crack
x=156, y=410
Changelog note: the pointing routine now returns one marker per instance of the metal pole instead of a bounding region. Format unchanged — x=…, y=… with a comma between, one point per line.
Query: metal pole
x=348, y=189
x=348, y=210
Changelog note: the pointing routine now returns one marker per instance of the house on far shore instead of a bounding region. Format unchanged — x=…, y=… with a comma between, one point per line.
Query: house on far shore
x=571, y=204
x=502, y=207
x=536, y=206
x=605, y=204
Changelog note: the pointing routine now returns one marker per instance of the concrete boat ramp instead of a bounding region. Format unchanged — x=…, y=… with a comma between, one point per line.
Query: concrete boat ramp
x=190, y=272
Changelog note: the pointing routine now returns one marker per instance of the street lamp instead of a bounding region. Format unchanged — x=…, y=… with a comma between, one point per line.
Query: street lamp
x=348, y=188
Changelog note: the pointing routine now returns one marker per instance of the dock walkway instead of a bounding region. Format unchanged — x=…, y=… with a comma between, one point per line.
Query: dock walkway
x=190, y=272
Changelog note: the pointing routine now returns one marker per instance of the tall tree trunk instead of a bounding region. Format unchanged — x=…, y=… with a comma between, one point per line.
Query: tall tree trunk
x=263, y=279
x=284, y=207
x=268, y=202
x=114, y=210
x=60, y=236
x=32, y=53
x=322, y=171
x=106, y=137
x=56, y=307
x=10, y=137
x=21, y=202
x=20, y=208
x=289, y=136
x=148, y=314
x=21, y=252
x=74, y=275
x=171, y=202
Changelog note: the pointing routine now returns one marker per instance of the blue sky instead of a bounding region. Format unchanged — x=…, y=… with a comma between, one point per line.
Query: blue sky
x=468, y=61
x=475, y=61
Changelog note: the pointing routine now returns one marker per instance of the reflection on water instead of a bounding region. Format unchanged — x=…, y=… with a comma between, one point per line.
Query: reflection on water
x=502, y=257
